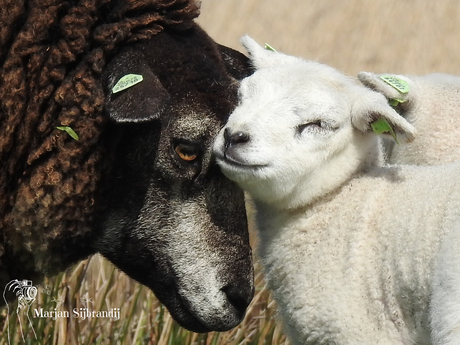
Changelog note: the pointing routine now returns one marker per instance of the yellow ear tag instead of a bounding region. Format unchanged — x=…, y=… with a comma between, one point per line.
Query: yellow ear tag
x=126, y=82
x=269, y=47
x=382, y=126
x=399, y=84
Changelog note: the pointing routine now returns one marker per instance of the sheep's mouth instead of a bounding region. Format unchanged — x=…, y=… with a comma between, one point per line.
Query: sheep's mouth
x=180, y=312
x=187, y=320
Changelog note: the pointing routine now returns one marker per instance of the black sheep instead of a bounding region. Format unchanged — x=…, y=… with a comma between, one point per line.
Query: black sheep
x=139, y=185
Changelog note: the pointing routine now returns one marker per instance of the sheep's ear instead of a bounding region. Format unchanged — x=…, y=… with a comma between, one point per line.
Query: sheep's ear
x=237, y=64
x=370, y=107
x=134, y=93
x=396, y=88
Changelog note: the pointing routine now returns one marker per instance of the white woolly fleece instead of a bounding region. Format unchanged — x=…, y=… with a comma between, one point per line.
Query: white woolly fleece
x=363, y=265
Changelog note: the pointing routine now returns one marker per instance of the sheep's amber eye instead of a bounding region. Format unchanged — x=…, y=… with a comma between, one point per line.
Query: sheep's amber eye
x=187, y=153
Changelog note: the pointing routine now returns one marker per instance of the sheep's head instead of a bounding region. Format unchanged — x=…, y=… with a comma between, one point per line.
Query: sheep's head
x=173, y=221
x=301, y=129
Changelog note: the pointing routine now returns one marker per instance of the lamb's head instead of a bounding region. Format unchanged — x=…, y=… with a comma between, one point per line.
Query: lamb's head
x=301, y=129
x=173, y=221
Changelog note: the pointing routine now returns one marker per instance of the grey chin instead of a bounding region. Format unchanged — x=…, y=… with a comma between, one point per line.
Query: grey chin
x=189, y=321
x=186, y=318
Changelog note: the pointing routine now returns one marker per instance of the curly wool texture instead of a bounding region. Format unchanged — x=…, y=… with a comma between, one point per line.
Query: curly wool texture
x=52, y=55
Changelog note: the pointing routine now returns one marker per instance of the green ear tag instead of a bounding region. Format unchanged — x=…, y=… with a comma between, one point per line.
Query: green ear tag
x=126, y=82
x=399, y=84
x=382, y=126
x=269, y=47
x=396, y=101
x=69, y=131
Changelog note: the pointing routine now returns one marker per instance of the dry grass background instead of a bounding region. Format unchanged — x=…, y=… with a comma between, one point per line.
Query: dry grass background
x=404, y=36
x=398, y=36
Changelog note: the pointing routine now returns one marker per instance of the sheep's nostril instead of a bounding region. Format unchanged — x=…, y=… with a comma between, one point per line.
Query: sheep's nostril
x=238, y=298
x=234, y=138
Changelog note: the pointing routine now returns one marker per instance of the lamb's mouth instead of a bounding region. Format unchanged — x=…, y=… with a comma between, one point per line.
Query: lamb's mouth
x=231, y=162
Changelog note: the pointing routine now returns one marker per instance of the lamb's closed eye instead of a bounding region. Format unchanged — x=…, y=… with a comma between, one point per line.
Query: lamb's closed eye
x=316, y=126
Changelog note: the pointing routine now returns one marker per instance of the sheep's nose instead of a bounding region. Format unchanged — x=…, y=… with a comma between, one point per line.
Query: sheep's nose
x=239, y=298
x=234, y=138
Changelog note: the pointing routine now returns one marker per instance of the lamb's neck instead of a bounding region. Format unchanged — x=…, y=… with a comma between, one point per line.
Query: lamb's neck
x=362, y=224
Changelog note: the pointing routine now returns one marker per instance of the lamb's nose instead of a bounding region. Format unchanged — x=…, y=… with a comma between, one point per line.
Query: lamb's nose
x=234, y=138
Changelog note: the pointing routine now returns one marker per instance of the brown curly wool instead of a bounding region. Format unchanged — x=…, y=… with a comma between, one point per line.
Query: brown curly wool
x=52, y=53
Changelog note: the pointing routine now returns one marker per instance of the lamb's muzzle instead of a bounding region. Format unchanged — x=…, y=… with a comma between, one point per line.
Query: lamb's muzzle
x=232, y=141
x=234, y=138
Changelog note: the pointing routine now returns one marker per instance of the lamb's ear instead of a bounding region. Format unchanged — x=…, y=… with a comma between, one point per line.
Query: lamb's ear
x=370, y=106
x=134, y=93
x=261, y=57
x=396, y=88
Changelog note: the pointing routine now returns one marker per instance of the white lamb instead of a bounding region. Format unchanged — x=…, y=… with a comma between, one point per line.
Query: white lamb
x=432, y=105
x=356, y=252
